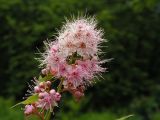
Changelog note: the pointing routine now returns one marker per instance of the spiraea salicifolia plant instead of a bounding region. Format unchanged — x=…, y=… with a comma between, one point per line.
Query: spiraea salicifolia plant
x=72, y=61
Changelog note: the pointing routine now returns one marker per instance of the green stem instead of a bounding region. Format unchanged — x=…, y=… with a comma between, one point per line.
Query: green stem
x=40, y=115
x=48, y=115
x=60, y=85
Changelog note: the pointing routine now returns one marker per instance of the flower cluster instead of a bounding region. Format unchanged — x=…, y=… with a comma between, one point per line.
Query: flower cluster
x=73, y=55
x=80, y=36
x=47, y=98
x=72, y=60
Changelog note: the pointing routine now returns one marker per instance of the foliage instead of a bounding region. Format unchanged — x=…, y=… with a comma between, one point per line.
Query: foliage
x=132, y=28
x=6, y=113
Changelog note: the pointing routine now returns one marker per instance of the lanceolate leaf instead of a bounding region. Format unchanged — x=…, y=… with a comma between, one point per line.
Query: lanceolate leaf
x=29, y=100
x=40, y=78
x=124, y=118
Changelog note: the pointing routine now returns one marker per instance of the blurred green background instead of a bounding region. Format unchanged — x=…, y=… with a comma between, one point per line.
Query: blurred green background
x=132, y=27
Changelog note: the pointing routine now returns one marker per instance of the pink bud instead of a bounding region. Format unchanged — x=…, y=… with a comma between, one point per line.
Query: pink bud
x=52, y=92
x=28, y=109
x=44, y=71
x=42, y=95
x=36, y=89
x=54, y=48
x=57, y=96
x=48, y=83
x=41, y=85
x=78, y=95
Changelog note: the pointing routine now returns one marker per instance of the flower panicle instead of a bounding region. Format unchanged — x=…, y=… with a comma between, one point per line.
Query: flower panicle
x=72, y=59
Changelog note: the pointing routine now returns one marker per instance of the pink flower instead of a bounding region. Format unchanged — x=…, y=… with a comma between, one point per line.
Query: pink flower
x=80, y=35
x=54, y=48
x=75, y=75
x=57, y=97
x=95, y=66
x=48, y=100
x=72, y=60
x=63, y=69
x=86, y=68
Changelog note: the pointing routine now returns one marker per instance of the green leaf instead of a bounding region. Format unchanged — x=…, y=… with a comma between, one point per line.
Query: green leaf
x=40, y=78
x=32, y=117
x=124, y=118
x=29, y=100
x=48, y=77
x=72, y=58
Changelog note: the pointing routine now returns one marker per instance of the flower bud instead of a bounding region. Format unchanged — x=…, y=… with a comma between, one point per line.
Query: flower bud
x=52, y=92
x=78, y=95
x=44, y=71
x=28, y=109
x=57, y=96
x=41, y=85
x=36, y=89
x=48, y=83
x=42, y=95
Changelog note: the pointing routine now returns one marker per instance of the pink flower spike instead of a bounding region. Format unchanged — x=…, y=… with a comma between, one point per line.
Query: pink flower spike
x=72, y=61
